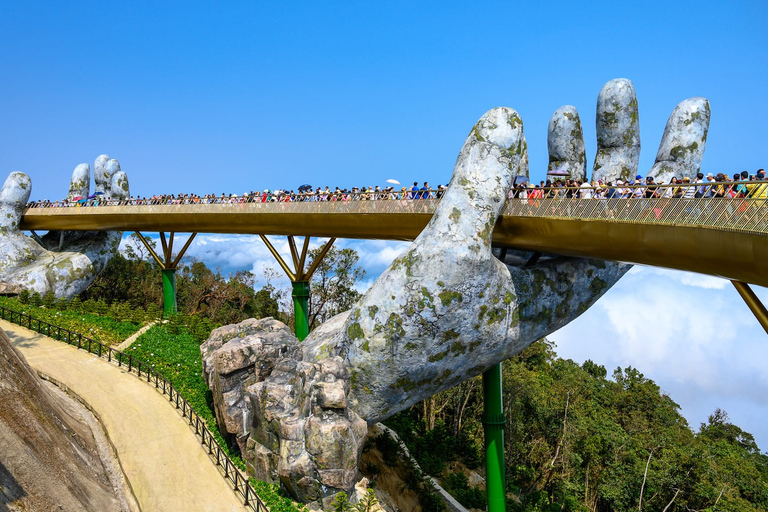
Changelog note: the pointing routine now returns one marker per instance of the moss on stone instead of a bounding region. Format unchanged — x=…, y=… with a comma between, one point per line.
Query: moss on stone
x=597, y=286
x=437, y=357
x=496, y=315
x=678, y=152
x=446, y=296
x=450, y=334
x=355, y=332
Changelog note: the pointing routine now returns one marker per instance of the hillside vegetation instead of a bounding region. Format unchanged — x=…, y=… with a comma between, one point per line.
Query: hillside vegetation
x=577, y=440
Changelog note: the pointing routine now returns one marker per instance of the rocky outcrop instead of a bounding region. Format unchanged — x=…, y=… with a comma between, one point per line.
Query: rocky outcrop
x=66, y=263
x=48, y=459
x=304, y=435
x=237, y=356
x=290, y=418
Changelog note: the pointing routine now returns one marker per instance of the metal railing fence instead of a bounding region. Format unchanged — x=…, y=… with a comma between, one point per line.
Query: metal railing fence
x=656, y=204
x=707, y=189
x=142, y=370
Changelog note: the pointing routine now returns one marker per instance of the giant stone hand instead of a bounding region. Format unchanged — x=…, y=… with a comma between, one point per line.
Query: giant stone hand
x=444, y=312
x=63, y=263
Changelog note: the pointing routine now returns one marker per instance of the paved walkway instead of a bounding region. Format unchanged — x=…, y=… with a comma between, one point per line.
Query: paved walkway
x=160, y=456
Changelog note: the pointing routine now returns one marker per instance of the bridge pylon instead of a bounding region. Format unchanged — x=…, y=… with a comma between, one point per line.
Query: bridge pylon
x=299, y=279
x=168, y=265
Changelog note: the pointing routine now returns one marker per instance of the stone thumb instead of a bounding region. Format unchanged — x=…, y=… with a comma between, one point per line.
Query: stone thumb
x=13, y=198
x=488, y=161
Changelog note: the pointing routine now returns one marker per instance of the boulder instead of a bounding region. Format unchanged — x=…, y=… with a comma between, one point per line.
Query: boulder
x=237, y=356
x=289, y=417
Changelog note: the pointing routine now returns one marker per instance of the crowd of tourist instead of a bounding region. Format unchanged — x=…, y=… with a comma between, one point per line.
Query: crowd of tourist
x=742, y=185
x=319, y=194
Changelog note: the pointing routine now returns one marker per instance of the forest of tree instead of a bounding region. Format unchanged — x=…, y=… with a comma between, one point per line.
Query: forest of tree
x=576, y=438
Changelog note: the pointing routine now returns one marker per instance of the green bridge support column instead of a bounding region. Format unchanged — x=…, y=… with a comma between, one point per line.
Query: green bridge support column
x=493, y=423
x=299, y=278
x=301, y=308
x=169, y=292
x=167, y=266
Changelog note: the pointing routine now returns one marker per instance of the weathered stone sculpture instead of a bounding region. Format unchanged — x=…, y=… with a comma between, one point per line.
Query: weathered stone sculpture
x=565, y=141
x=66, y=262
x=290, y=418
x=444, y=312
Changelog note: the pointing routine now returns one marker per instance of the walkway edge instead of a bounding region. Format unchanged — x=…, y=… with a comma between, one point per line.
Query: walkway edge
x=133, y=503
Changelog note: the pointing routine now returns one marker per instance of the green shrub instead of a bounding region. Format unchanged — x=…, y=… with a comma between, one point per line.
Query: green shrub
x=49, y=299
x=75, y=304
x=100, y=328
x=35, y=299
x=389, y=449
x=458, y=485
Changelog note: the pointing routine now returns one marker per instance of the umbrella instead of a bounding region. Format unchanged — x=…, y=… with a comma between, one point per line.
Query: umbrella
x=305, y=187
x=519, y=180
x=82, y=201
x=394, y=182
x=267, y=191
x=77, y=198
x=558, y=172
x=98, y=193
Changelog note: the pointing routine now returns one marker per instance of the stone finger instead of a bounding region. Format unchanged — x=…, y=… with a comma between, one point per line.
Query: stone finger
x=684, y=140
x=618, y=132
x=80, y=184
x=120, y=189
x=13, y=198
x=565, y=142
x=102, y=176
x=483, y=173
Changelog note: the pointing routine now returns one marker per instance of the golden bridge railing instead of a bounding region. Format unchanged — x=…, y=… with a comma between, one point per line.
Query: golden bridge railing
x=748, y=214
x=741, y=214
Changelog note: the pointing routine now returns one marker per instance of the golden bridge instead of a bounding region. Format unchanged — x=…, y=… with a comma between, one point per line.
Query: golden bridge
x=721, y=237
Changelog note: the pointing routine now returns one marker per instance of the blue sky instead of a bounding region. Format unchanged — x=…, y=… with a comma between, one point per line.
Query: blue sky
x=211, y=98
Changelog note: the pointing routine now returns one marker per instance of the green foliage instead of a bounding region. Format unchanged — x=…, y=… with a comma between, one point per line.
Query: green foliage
x=275, y=498
x=458, y=485
x=48, y=300
x=367, y=502
x=340, y=503
x=333, y=284
x=135, y=279
x=104, y=329
x=24, y=296
x=389, y=449
x=577, y=440
x=35, y=299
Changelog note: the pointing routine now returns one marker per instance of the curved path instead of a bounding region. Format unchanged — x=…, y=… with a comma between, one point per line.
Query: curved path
x=160, y=456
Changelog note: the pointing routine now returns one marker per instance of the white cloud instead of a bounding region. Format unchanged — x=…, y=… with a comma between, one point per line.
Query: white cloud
x=697, y=340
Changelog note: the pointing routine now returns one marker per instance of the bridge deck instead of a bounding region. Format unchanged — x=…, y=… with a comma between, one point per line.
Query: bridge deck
x=721, y=237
